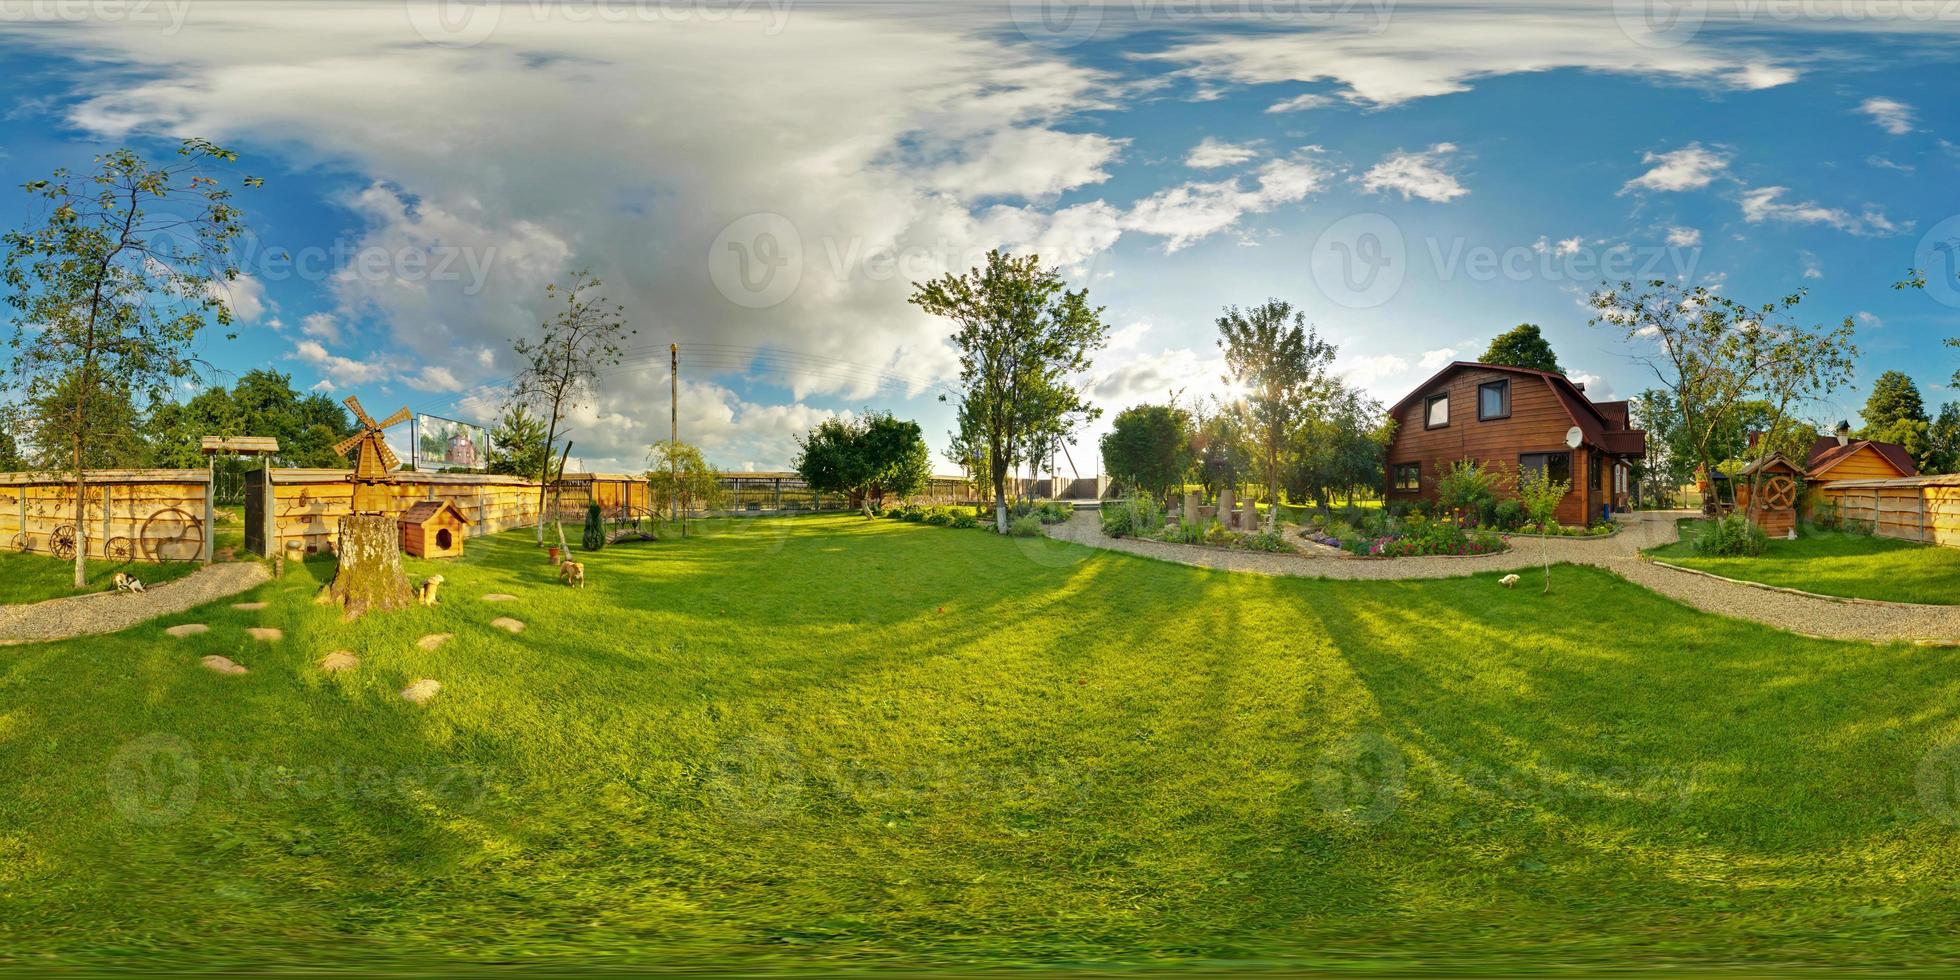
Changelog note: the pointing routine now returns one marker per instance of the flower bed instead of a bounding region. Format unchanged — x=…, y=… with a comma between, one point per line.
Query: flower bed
x=1414, y=536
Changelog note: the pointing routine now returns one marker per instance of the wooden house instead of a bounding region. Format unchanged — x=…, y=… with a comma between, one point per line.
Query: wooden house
x=1840, y=457
x=1514, y=419
x=433, y=529
x=1767, y=491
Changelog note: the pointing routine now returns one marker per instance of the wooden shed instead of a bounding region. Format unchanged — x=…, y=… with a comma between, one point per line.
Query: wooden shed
x=1773, y=507
x=434, y=529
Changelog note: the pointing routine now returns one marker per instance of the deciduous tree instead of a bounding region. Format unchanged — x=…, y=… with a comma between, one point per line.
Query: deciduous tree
x=562, y=366
x=1023, y=336
x=116, y=280
x=1523, y=346
x=1283, y=366
x=1149, y=448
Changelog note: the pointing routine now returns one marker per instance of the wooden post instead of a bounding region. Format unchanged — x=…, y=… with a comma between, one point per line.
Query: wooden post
x=107, y=530
x=269, y=514
x=210, y=509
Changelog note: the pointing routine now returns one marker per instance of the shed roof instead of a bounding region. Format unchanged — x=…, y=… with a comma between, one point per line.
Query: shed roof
x=1826, y=453
x=427, y=510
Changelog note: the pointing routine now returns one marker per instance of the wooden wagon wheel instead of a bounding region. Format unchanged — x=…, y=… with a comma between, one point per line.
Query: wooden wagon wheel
x=118, y=549
x=22, y=543
x=172, y=535
x=61, y=543
x=1780, y=492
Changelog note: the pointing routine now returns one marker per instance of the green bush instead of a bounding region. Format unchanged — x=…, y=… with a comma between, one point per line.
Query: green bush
x=1135, y=517
x=1467, y=487
x=1266, y=541
x=966, y=521
x=1193, y=533
x=1054, y=512
x=1732, y=536
x=1025, y=526
x=1507, y=514
x=1219, y=534
x=595, y=528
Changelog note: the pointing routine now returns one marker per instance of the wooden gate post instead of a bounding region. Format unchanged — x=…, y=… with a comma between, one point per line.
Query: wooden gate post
x=210, y=509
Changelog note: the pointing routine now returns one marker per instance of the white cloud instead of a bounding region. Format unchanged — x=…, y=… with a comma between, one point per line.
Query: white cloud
x=1893, y=116
x=321, y=326
x=1212, y=152
x=1301, y=103
x=1435, y=360
x=1368, y=371
x=1415, y=175
x=342, y=371
x=1887, y=163
x=1761, y=204
x=1688, y=168
x=434, y=378
x=1870, y=319
x=244, y=296
x=1186, y=213
x=1680, y=237
x=1813, y=267
x=1443, y=48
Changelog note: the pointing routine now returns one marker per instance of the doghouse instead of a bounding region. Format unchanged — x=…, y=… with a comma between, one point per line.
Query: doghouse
x=434, y=529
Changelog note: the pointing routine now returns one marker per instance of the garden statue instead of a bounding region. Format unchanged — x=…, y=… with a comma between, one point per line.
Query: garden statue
x=370, y=575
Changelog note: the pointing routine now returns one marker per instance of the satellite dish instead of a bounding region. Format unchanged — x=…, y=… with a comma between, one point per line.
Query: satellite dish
x=1573, y=437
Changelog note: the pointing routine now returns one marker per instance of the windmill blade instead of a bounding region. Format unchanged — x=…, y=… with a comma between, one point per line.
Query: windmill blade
x=340, y=448
x=389, y=460
x=395, y=419
x=354, y=405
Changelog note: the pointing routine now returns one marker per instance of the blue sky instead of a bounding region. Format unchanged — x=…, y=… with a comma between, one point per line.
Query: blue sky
x=430, y=167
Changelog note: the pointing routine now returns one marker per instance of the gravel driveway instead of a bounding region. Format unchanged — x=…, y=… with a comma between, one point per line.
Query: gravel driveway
x=107, y=612
x=1619, y=554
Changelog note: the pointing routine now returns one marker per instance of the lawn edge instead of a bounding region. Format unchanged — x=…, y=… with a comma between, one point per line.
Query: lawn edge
x=1846, y=599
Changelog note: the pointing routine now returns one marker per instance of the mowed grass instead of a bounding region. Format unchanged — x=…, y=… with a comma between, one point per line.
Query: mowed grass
x=34, y=577
x=1860, y=566
x=830, y=742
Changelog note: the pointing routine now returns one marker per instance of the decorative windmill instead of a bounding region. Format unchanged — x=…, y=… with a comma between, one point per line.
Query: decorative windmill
x=375, y=463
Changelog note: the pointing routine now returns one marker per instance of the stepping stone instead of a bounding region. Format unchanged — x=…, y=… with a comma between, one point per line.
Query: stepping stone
x=264, y=634
x=222, y=665
x=249, y=606
x=421, y=691
x=507, y=623
x=339, y=660
x=499, y=597
x=187, y=629
x=432, y=641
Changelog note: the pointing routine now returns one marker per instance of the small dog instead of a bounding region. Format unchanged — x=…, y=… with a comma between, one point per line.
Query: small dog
x=572, y=573
x=1509, y=581
x=426, y=595
x=126, y=582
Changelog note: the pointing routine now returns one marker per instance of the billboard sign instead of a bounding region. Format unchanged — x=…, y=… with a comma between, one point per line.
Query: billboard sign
x=446, y=444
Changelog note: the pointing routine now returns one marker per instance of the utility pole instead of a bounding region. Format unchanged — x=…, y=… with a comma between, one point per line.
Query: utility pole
x=674, y=428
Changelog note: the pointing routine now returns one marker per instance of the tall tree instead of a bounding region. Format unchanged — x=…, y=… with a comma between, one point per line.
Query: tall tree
x=114, y=437
x=1716, y=354
x=1218, y=446
x=1283, y=366
x=679, y=476
x=1523, y=346
x=517, y=443
x=1943, y=441
x=116, y=282
x=865, y=458
x=1339, y=448
x=1149, y=448
x=562, y=366
x=1022, y=336
x=1895, y=413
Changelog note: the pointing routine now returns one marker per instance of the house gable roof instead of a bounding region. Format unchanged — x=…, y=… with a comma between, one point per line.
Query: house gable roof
x=1599, y=429
x=1825, y=453
x=427, y=510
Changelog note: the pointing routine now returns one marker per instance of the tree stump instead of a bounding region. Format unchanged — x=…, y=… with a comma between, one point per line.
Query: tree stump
x=1191, y=508
x=1225, y=507
x=370, y=577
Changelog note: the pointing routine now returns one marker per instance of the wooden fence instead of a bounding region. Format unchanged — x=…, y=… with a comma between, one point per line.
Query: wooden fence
x=1919, y=508
x=141, y=515
x=306, y=505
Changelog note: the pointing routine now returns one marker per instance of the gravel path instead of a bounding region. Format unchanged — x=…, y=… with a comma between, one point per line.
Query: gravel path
x=1619, y=554
x=107, y=612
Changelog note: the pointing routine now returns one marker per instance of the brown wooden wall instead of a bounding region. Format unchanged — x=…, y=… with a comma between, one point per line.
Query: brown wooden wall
x=1865, y=464
x=1537, y=424
x=308, y=504
x=162, y=514
x=1912, y=508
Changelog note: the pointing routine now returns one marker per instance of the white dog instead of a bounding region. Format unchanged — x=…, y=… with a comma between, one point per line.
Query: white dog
x=126, y=582
x=1509, y=581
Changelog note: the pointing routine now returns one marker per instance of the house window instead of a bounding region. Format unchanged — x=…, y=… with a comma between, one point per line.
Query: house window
x=1408, y=477
x=1436, y=412
x=1558, y=464
x=1493, y=400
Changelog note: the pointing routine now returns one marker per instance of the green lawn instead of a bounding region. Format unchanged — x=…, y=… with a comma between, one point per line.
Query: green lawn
x=834, y=742
x=34, y=577
x=1835, y=563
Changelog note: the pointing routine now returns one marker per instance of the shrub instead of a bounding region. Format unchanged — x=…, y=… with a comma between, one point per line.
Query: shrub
x=1218, y=534
x=1054, y=512
x=966, y=520
x=1193, y=533
x=1266, y=541
x=1732, y=536
x=595, y=528
x=1468, y=487
x=1507, y=514
x=1135, y=517
x=1025, y=526
x=939, y=517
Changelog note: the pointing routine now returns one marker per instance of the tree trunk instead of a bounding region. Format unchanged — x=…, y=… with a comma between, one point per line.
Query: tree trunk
x=370, y=576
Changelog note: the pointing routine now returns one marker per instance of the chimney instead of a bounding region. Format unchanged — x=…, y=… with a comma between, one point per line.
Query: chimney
x=1843, y=432
x=1581, y=385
